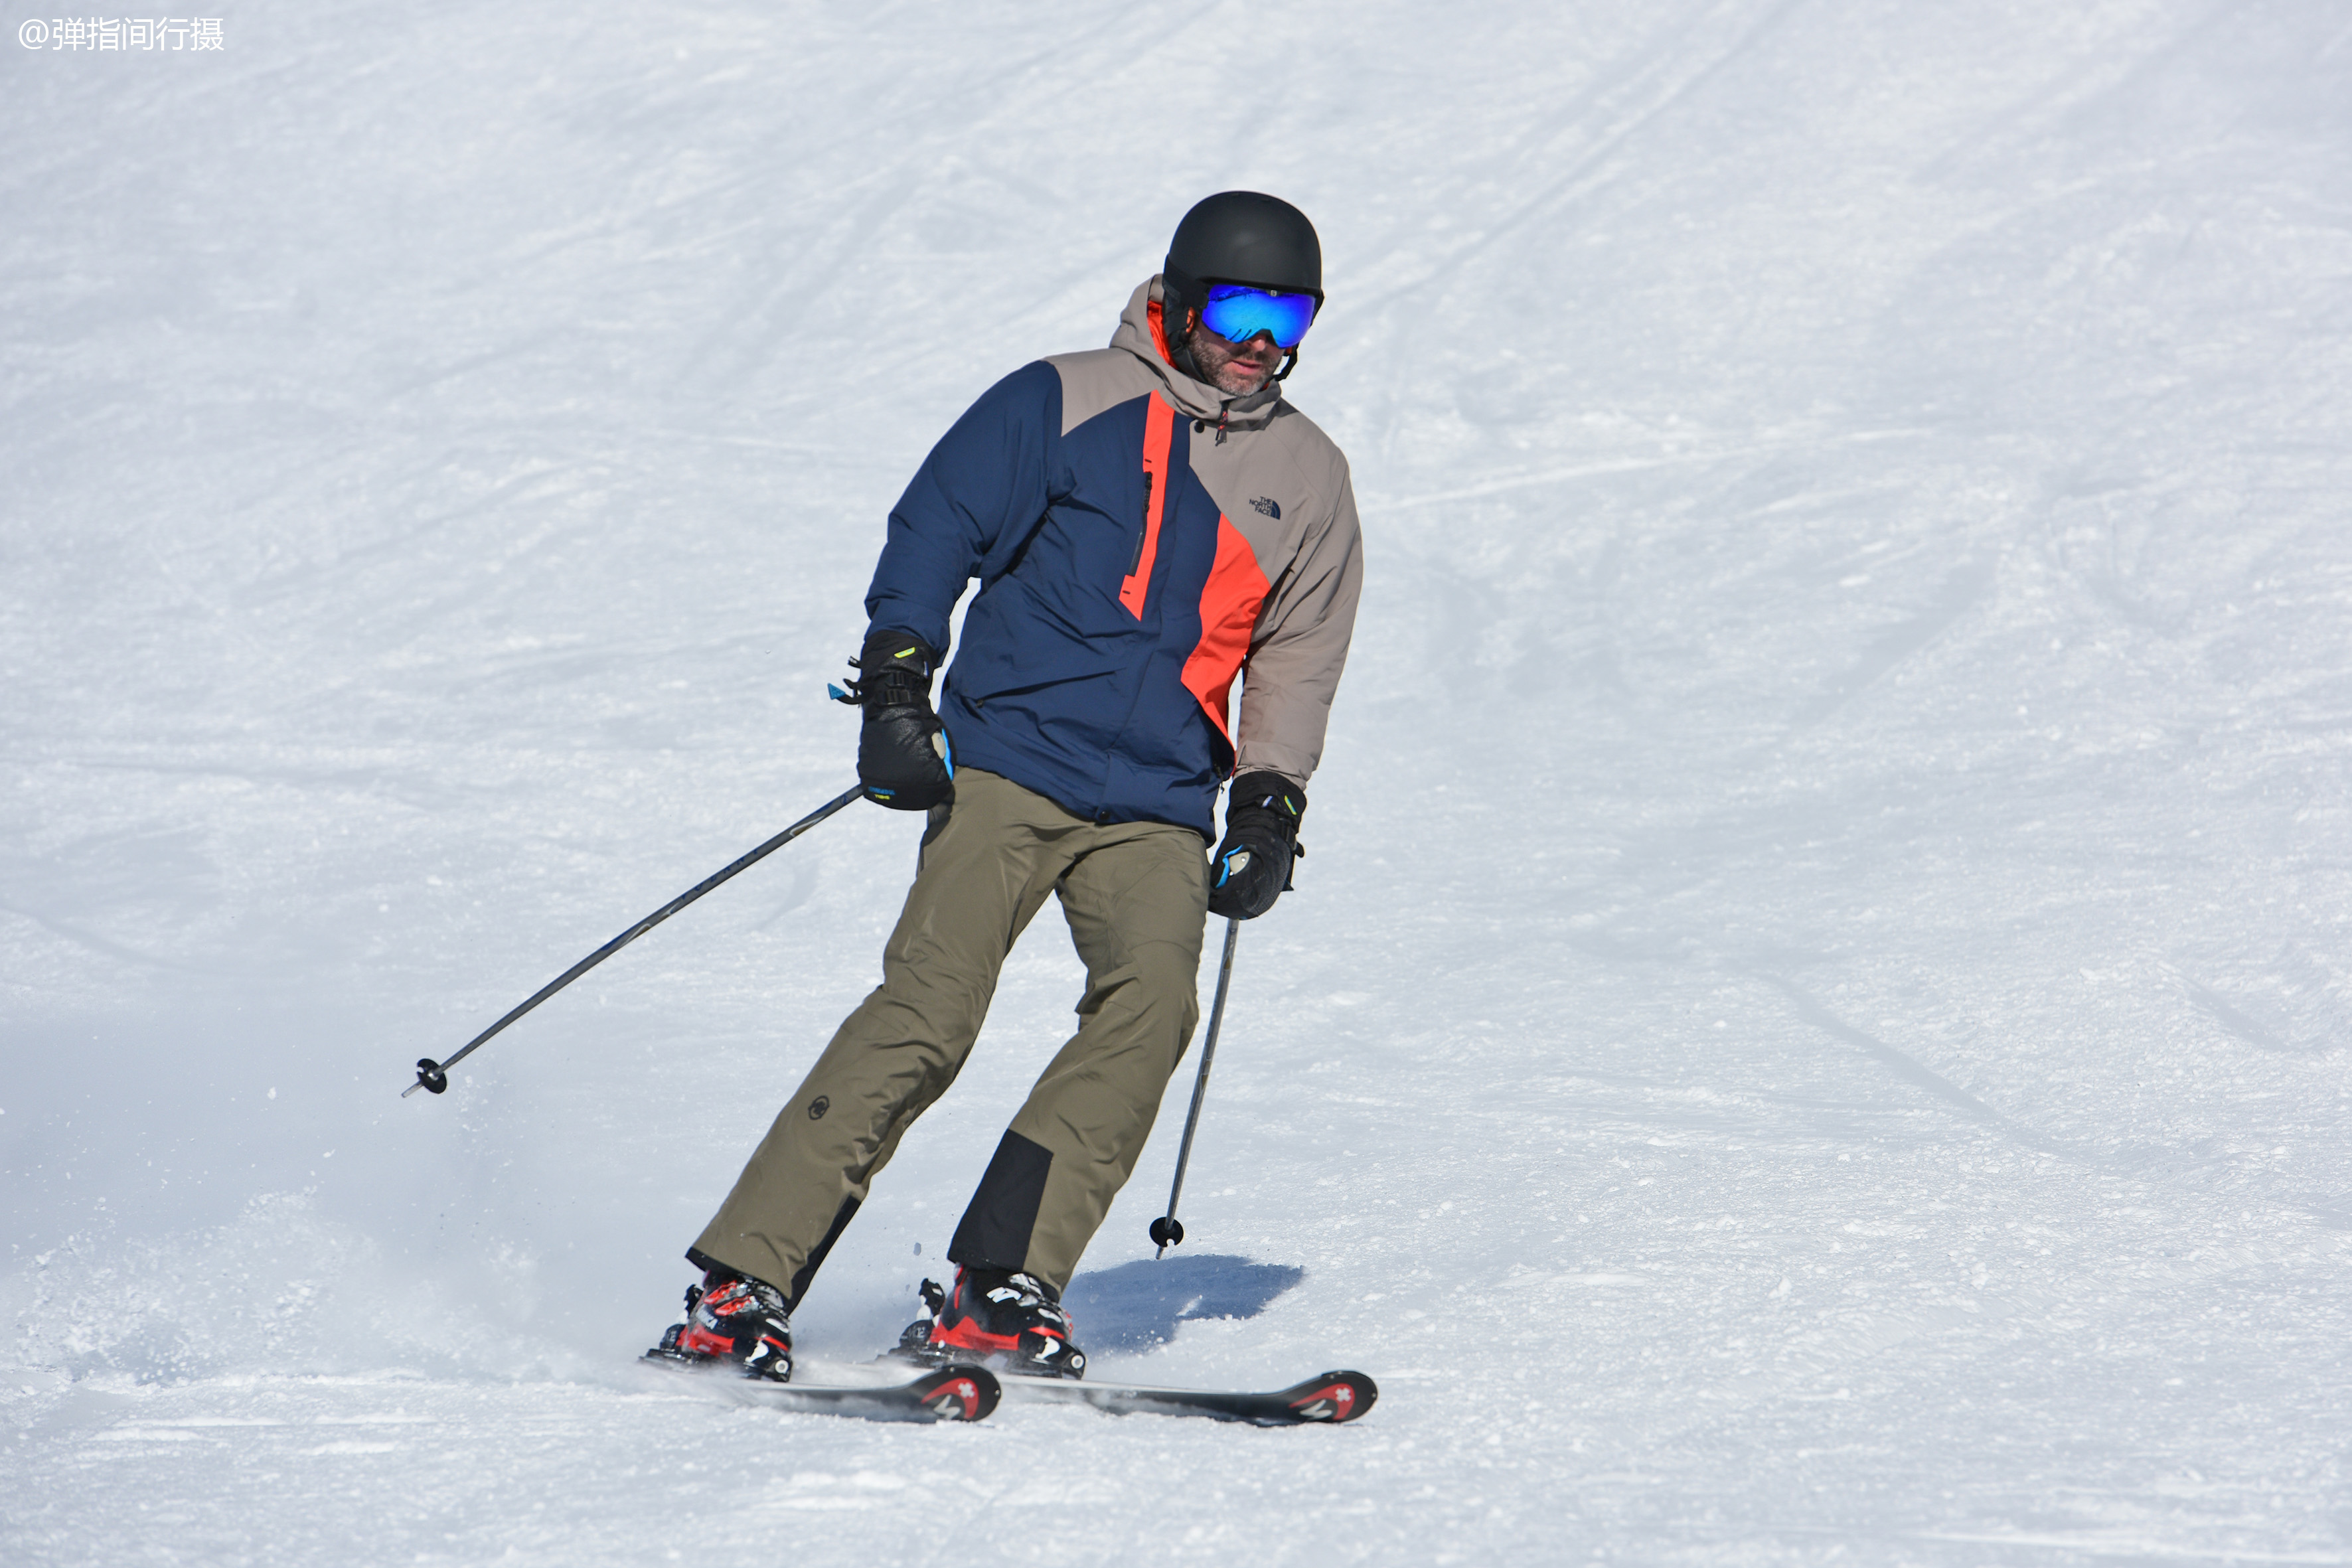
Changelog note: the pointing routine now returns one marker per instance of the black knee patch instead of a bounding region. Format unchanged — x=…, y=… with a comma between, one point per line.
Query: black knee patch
x=807, y=1272
x=995, y=1228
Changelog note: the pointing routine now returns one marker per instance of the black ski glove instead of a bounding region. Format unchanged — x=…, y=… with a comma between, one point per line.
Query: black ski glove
x=903, y=760
x=1252, y=864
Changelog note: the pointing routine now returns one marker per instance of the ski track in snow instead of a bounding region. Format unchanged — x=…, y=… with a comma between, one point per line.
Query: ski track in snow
x=1814, y=1026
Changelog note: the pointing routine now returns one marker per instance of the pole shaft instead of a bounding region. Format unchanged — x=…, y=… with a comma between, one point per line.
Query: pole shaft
x=651, y=921
x=1208, y=1057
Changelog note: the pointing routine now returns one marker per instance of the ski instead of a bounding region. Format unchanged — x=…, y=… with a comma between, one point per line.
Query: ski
x=957, y=1392
x=1328, y=1398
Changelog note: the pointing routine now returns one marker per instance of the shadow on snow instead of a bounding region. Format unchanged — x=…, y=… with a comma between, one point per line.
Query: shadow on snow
x=1137, y=1305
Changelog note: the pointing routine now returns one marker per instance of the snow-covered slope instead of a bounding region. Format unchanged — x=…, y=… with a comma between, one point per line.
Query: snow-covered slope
x=1816, y=1018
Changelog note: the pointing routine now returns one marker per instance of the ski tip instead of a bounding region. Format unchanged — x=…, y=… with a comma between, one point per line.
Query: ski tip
x=959, y=1393
x=1332, y=1396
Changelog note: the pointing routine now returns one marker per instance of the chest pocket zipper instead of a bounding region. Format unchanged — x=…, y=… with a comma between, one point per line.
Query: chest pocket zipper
x=1150, y=484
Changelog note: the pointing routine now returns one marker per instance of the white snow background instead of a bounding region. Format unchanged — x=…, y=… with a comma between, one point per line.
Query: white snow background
x=1814, y=1024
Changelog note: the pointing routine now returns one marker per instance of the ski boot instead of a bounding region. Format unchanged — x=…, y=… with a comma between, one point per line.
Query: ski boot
x=729, y=1317
x=1011, y=1323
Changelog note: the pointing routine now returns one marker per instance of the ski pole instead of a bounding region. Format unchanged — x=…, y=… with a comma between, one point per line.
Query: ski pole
x=1165, y=1230
x=434, y=1075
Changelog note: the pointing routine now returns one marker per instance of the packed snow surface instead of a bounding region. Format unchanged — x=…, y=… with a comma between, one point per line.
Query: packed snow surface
x=1815, y=1022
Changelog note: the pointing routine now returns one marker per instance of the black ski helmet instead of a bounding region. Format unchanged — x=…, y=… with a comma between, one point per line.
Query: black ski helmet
x=1240, y=236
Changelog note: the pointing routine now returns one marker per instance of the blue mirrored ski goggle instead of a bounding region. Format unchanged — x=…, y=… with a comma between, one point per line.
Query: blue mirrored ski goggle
x=1237, y=313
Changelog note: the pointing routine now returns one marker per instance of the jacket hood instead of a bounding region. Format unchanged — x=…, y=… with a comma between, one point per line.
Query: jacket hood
x=1138, y=334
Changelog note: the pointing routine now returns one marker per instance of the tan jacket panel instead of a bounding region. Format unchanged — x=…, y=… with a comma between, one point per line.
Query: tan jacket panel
x=1283, y=485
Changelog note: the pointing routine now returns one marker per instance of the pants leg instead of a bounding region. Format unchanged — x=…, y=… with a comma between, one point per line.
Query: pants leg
x=987, y=864
x=1137, y=903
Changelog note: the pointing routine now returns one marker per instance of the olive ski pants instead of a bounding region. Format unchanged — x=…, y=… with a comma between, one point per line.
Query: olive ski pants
x=1135, y=895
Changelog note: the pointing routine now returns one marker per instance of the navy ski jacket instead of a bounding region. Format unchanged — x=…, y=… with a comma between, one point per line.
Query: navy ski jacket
x=1139, y=540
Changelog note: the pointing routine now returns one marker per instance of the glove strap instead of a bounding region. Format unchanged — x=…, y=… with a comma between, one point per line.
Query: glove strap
x=1269, y=792
x=894, y=671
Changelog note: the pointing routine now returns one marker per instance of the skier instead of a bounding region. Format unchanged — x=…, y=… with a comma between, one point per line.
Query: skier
x=1146, y=522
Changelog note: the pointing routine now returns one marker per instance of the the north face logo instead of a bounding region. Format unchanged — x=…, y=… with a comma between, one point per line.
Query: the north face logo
x=1266, y=506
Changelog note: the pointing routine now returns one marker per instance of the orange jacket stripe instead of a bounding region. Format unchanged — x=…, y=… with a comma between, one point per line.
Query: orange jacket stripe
x=1229, y=605
x=1159, y=429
